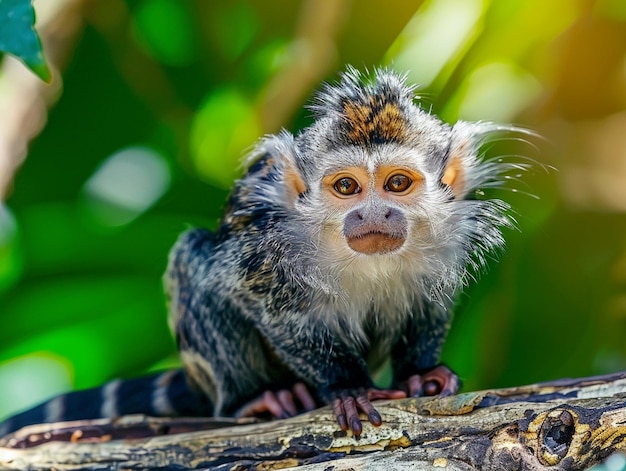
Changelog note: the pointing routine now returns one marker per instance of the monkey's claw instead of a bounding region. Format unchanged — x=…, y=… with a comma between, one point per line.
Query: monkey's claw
x=280, y=404
x=440, y=380
x=346, y=408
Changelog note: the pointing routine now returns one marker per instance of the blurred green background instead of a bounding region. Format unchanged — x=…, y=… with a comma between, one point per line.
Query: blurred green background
x=156, y=101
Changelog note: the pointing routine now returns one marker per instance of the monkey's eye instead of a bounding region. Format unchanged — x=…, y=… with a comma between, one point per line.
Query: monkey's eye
x=347, y=186
x=398, y=183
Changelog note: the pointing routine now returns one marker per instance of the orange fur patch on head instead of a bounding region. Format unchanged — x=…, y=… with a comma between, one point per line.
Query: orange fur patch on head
x=374, y=122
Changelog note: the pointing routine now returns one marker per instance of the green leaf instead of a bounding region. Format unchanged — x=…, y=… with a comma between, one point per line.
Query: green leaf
x=18, y=36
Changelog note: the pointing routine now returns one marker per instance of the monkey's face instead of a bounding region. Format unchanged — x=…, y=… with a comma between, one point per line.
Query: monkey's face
x=372, y=202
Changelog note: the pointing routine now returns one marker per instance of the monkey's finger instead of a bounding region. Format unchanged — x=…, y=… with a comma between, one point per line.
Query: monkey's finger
x=451, y=386
x=440, y=380
x=267, y=402
x=253, y=408
x=340, y=414
x=432, y=387
x=375, y=394
x=372, y=414
x=285, y=398
x=415, y=385
x=304, y=396
x=352, y=414
x=274, y=406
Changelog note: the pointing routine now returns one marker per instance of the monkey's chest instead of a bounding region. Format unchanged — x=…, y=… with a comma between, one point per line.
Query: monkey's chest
x=382, y=336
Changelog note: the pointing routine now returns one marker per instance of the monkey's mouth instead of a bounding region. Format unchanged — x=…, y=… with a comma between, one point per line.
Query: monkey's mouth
x=375, y=242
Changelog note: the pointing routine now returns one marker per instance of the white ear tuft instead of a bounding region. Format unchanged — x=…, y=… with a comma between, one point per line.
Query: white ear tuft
x=461, y=158
x=281, y=152
x=294, y=183
x=454, y=175
x=464, y=170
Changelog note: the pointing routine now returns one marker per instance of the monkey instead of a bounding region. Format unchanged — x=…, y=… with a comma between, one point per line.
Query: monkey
x=342, y=246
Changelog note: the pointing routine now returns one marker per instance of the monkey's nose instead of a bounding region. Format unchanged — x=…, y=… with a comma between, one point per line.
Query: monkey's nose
x=393, y=215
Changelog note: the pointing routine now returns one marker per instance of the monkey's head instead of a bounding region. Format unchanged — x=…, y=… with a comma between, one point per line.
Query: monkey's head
x=376, y=177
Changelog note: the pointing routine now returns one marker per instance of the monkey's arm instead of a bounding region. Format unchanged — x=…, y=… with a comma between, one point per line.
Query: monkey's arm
x=416, y=355
x=322, y=360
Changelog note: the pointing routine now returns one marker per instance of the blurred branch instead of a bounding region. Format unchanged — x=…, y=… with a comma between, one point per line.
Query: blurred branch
x=313, y=53
x=25, y=99
x=329, y=35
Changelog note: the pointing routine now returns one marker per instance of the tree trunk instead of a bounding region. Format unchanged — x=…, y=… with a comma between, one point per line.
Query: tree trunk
x=566, y=424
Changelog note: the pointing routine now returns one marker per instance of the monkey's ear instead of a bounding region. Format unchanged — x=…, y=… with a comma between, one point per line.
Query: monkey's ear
x=284, y=151
x=281, y=151
x=294, y=183
x=459, y=172
x=454, y=174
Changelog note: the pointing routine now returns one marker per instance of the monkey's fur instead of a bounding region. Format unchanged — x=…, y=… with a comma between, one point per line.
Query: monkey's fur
x=321, y=268
x=340, y=247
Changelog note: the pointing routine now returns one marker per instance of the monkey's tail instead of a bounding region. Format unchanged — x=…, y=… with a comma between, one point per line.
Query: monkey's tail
x=164, y=394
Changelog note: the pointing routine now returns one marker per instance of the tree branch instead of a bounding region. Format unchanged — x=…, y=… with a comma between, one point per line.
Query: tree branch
x=566, y=424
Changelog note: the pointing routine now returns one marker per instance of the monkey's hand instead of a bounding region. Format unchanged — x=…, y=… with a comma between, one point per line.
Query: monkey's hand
x=280, y=404
x=439, y=380
x=347, y=404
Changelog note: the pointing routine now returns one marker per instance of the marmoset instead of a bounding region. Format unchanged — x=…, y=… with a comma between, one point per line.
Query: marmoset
x=341, y=247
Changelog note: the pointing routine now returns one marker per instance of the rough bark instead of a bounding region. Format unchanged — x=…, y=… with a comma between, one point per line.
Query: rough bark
x=566, y=424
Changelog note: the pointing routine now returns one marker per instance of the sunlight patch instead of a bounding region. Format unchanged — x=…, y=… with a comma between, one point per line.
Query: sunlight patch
x=32, y=378
x=433, y=37
x=126, y=185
